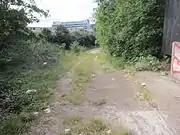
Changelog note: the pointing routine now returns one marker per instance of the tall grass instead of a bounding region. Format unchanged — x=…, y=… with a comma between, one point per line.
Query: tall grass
x=142, y=63
x=31, y=67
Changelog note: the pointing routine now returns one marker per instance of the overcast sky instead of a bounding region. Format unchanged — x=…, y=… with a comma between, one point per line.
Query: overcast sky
x=65, y=10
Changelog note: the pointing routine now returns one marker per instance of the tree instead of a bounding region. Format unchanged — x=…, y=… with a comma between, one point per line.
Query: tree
x=130, y=28
x=84, y=38
x=62, y=35
x=14, y=16
x=47, y=34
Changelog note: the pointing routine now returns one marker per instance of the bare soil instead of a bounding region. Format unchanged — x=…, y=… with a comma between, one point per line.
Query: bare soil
x=121, y=107
x=166, y=92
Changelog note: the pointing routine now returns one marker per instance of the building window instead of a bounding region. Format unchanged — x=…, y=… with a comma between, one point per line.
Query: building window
x=34, y=29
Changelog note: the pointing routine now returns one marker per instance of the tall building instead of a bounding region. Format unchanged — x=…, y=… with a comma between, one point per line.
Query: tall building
x=74, y=25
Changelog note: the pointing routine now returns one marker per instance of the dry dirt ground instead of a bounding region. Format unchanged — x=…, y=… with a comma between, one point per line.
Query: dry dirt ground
x=112, y=96
x=166, y=92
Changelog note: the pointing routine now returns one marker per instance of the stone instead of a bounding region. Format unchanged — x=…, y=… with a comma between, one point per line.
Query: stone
x=31, y=91
x=48, y=110
x=143, y=84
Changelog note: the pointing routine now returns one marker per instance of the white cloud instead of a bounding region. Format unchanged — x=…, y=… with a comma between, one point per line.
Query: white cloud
x=65, y=10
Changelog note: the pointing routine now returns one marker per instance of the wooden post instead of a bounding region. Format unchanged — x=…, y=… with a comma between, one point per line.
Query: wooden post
x=171, y=31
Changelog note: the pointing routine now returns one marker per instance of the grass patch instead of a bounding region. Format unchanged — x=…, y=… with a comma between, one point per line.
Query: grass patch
x=99, y=102
x=22, y=105
x=70, y=121
x=144, y=94
x=80, y=75
x=92, y=126
x=106, y=65
x=143, y=63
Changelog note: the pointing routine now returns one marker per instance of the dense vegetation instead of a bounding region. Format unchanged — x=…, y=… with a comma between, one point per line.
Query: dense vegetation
x=130, y=28
x=63, y=36
x=30, y=64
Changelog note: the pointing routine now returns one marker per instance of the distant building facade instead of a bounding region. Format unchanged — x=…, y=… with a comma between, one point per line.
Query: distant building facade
x=73, y=26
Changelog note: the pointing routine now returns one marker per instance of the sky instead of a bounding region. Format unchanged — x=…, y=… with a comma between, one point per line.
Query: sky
x=65, y=10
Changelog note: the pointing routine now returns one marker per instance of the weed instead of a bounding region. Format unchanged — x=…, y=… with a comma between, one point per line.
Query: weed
x=77, y=48
x=105, y=62
x=20, y=105
x=92, y=126
x=142, y=63
x=70, y=121
x=145, y=95
x=99, y=102
x=80, y=75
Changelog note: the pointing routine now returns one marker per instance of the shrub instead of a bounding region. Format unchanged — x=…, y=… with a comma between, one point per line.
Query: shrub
x=17, y=63
x=75, y=47
x=84, y=38
x=35, y=66
x=130, y=28
x=63, y=36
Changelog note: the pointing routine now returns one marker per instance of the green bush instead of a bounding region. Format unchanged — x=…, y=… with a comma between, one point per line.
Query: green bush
x=35, y=67
x=84, y=38
x=130, y=28
x=63, y=36
x=76, y=47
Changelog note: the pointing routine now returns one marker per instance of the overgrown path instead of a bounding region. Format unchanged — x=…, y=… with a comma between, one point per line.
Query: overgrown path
x=91, y=94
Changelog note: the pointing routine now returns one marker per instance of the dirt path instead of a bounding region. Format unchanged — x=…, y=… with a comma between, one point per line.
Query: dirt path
x=166, y=91
x=109, y=96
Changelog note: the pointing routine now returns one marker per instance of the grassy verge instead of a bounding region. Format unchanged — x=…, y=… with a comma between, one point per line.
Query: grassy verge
x=105, y=62
x=80, y=76
x=91, y=126
x=41, y=82
x=143, y=63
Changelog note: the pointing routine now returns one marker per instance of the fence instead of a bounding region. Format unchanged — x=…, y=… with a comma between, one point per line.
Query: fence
x=171, y=25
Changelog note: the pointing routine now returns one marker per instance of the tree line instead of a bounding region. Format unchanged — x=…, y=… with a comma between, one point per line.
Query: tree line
x=63, y=36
